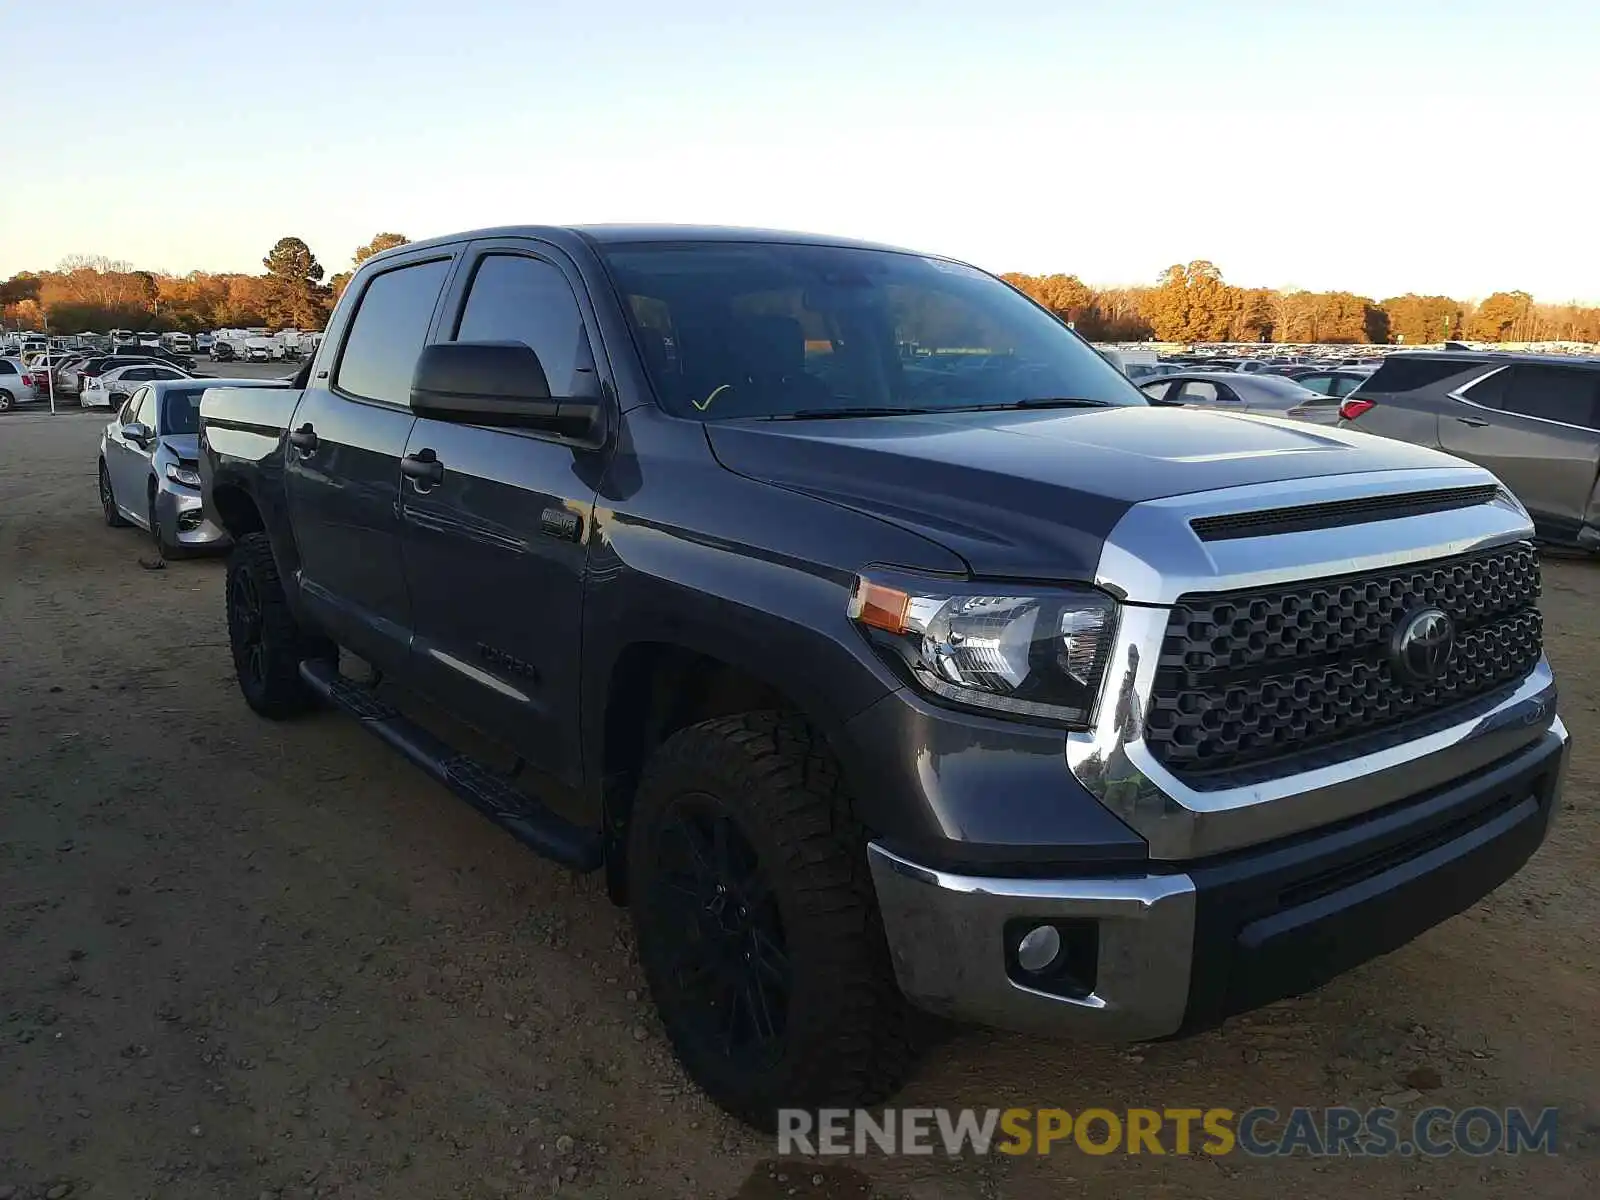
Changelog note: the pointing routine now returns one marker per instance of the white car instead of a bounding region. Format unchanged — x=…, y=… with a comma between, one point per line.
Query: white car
x=114, y=386
x=16, y=384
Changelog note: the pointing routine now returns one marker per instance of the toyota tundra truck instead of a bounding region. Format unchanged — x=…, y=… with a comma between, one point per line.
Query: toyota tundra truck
x=883, y=647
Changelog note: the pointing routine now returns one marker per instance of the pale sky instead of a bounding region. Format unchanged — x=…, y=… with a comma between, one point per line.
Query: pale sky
x=1437, y=146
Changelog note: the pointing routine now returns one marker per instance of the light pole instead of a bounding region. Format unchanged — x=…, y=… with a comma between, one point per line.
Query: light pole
x=49, y=363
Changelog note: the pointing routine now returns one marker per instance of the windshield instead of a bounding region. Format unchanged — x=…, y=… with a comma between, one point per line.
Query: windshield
x=744, y=329
x=180, y=410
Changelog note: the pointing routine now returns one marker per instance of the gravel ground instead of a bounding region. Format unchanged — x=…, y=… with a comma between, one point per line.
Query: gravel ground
x=240, y=959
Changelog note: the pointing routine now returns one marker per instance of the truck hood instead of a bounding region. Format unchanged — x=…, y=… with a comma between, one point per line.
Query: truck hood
x=1036, y=493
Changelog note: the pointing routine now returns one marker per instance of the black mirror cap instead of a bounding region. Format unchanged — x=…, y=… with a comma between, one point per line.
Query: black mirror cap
x=497, y=383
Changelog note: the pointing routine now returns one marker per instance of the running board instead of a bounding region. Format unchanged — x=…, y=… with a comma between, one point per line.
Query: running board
x=530, y=822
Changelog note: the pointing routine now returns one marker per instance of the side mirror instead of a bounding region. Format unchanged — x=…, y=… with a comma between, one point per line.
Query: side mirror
x=136, y=431
x=499, y=384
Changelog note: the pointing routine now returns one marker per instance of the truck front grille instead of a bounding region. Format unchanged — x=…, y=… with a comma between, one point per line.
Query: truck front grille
x=1245, y=678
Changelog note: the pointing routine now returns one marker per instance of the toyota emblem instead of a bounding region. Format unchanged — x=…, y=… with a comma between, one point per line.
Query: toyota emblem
x=1422, y=646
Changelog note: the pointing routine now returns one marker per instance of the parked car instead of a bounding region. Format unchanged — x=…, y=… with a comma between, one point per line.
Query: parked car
x=1094, y=755
x=148, y=463
x=69, y=377
x=112, y=387
x=17, y=384
x=1231, y=391
x=1533, y=420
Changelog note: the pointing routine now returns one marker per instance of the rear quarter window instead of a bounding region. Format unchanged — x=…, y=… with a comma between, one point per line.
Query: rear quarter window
x=1410, y=374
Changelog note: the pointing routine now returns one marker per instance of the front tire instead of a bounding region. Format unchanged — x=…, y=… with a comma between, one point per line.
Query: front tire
x=164, y=549
x=757, y=923
x=108, y=500
x=267, y=642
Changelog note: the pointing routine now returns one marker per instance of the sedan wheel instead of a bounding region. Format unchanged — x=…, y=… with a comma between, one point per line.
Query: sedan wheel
x=6, y=401
x=108, y=500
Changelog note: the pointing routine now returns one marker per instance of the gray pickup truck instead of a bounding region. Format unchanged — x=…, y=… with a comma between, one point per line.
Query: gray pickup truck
x=881, y=644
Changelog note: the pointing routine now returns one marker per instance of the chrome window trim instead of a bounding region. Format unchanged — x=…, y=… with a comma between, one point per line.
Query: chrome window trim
x=1462, y=395
x=1153, y=557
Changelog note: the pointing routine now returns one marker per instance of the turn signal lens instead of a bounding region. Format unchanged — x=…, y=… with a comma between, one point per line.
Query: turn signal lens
x=879, y=606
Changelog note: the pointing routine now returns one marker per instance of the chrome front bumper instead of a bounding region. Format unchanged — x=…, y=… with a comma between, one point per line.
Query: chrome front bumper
x=1177, y=952
x=946, y=938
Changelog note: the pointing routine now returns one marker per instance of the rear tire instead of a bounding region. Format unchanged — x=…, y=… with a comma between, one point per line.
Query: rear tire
x=757, y=923
x=268, y=644
x=108, y=500
x=7, y=401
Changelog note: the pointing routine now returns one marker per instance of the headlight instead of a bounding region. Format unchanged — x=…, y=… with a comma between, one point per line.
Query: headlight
x=183, y=475
x=1027, y=651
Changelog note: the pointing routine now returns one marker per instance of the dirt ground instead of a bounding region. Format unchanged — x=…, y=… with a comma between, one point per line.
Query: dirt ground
x=240, y=959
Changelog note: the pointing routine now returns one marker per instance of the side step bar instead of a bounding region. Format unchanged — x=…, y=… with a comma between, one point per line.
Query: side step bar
x=532, y=824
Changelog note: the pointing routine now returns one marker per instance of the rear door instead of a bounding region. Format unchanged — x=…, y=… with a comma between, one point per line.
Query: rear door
x=508, y=520
x=342, y=463
x=1537, y=427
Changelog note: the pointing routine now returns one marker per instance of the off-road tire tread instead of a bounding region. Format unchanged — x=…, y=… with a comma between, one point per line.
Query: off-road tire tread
x=777, y=768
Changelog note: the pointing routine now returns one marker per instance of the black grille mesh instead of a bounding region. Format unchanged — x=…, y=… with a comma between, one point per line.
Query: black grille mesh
x=1245, y=678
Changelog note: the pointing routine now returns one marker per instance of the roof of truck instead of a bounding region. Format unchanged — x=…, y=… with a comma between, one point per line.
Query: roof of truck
x=634, y=234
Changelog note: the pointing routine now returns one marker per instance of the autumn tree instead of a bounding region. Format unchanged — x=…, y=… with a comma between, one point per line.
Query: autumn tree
x=1191, y=304
x=1419, y=320
x=1502, y=317
x=296, y=297
x=384, y=241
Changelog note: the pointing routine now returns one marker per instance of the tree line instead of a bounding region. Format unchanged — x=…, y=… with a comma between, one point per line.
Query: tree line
x=91, y=293
x=1192, y=303
x=1189, y=303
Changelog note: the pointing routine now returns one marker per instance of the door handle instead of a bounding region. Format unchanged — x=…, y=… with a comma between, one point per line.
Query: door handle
x=1474, y=422
x=423, y=467
x=305, y=438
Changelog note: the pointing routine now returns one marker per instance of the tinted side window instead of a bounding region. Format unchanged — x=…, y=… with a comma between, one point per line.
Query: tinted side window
x=1554, y=393
x=6, y=368
x=527, y=300
x=1408, y=374
x=1197, y=391
x=1490, y=390
x=386, y=335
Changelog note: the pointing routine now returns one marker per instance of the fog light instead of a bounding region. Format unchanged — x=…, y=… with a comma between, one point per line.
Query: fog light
x=1038, y=948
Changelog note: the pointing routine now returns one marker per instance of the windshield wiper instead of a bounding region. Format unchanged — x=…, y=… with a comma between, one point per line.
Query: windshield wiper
x=826, y=414
x=1043, y=402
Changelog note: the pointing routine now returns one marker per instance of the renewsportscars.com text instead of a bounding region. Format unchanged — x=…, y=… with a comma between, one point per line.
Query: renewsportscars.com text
x=1258, y=1132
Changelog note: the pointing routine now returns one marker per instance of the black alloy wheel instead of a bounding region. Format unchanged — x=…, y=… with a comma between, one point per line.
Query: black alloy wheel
x=729, y=956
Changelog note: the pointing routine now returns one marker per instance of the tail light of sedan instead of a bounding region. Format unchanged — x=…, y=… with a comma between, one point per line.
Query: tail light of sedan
x=1349, y=410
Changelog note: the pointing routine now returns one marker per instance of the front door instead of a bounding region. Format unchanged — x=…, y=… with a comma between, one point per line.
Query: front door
x=1538, y=428
x=127, y=462
x=495, y=549
x=342, y=463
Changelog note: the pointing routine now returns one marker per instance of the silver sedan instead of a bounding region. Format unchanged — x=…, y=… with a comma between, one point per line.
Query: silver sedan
x=1229, y=391
x=149, y=464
